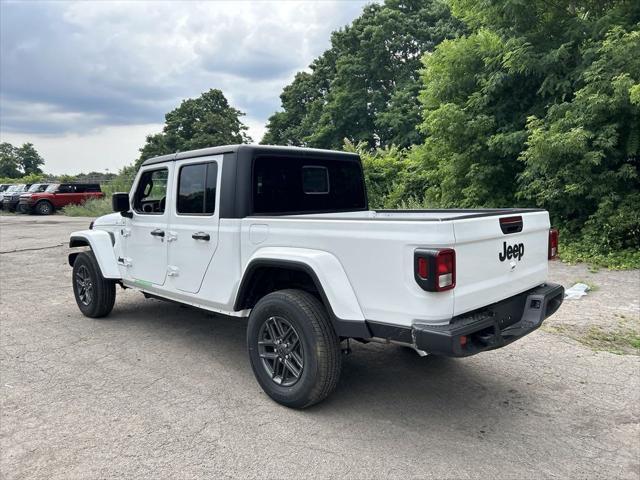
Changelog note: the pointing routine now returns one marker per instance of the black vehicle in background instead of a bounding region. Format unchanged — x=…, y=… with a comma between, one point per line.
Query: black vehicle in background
x=11, y=196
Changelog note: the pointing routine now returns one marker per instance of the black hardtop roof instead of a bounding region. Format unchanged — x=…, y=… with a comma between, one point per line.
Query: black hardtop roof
x=259, y=149
x=95, y=184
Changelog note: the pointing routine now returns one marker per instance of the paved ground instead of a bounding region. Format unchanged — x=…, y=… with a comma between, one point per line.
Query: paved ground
x=160, y=391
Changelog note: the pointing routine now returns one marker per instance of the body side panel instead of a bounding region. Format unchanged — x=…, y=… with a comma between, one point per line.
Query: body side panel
x=373, y=259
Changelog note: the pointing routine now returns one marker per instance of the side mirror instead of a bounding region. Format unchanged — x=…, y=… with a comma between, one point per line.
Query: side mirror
x=120, y=203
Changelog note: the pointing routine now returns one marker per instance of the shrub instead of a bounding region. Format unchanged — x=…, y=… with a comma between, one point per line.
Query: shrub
x=94, y=207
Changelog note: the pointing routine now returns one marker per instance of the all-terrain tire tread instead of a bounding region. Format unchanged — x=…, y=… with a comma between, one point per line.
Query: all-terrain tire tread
x=329, y=353
x=105, y=289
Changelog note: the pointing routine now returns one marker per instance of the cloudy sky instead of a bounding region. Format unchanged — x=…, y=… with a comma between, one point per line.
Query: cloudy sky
x=86, y=81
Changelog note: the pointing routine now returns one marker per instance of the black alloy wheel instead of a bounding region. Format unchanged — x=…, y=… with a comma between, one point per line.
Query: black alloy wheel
x=84, y=285
x=281, y=351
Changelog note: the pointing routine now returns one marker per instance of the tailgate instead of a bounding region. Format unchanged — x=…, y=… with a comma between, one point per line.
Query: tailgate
x=492, y=265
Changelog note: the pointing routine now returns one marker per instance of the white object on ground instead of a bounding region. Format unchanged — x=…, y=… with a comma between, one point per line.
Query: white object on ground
x=579, y=290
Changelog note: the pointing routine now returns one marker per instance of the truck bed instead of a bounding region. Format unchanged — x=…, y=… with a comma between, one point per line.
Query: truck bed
x=431, y=215
x=377, y=256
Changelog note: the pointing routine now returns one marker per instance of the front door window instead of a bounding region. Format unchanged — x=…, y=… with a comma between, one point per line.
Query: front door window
x=151, y=194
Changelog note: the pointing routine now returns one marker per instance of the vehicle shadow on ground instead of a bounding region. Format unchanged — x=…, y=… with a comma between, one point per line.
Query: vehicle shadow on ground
x=378, y=382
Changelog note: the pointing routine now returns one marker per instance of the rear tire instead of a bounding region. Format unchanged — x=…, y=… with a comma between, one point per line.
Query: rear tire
x=95, y=295
x=44, y=208
x=316, y=356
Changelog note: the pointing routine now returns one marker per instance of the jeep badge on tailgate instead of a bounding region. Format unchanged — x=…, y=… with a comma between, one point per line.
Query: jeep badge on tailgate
x=512, y=251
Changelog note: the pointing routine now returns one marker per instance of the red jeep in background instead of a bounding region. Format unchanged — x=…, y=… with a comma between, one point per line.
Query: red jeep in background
x=58, y=195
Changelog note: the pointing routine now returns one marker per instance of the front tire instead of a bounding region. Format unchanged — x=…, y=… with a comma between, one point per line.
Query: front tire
x=294, y=350
x=95, y=295
x=44, y=208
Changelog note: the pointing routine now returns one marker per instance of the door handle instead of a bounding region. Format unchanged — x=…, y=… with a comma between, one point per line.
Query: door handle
x=201, y=236
x=157, y=232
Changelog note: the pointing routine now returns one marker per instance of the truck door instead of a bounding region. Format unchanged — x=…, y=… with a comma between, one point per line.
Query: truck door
x=64, y=195
x=145, y=244
x=193, y=223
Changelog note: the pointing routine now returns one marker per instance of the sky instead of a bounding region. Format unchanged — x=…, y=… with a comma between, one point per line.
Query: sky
x=85, y=82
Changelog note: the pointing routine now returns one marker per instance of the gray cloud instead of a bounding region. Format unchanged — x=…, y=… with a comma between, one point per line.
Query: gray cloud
x=76, y=67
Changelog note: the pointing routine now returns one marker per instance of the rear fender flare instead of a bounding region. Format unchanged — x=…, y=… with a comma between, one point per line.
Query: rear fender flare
x=329, y=276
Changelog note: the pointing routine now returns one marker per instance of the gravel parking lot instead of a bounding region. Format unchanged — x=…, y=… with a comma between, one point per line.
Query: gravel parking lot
x=157, y=390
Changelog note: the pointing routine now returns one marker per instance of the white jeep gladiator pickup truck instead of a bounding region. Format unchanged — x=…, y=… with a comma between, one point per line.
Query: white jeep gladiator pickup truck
x=284, y=236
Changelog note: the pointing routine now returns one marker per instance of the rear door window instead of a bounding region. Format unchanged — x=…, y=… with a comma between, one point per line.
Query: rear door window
x=66, y=188
x=197, y=189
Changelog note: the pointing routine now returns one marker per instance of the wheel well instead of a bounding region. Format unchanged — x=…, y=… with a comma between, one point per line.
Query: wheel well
x=261, y=280
x=76, y=242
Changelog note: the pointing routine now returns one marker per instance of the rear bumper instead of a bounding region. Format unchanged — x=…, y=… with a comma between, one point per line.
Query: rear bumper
x=491, y=327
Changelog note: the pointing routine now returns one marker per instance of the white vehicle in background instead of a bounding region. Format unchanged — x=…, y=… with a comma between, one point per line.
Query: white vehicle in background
x=285, y=237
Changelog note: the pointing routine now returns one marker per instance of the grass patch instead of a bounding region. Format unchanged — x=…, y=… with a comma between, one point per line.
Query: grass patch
x=621, y=341
x=618, y=260
x=618, y=341
x=94, y=207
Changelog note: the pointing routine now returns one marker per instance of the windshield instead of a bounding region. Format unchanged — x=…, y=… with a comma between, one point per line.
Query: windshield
x=16, y=188
x=37, y=187
x=53, y=187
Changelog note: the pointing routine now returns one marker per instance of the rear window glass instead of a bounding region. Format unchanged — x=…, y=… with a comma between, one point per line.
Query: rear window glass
x=299, y=185
x=315, y=180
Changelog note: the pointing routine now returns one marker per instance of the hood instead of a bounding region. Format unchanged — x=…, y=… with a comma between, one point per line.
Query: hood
x=109, y=219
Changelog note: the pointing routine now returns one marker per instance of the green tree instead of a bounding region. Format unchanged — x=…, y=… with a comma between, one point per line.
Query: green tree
x=536, y=105
x=200, y=122
x=29, y=158
x=382, y=169
x=9, y=162
x=582, y=157
x=365, y=87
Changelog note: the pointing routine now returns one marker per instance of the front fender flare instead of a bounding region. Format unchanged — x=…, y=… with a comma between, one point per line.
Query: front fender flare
x=101, y=244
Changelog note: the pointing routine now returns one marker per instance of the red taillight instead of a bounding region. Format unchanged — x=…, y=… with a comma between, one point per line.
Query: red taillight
x=446, y=263
x=435, y=270
x=423, y=268
x=553, y=243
